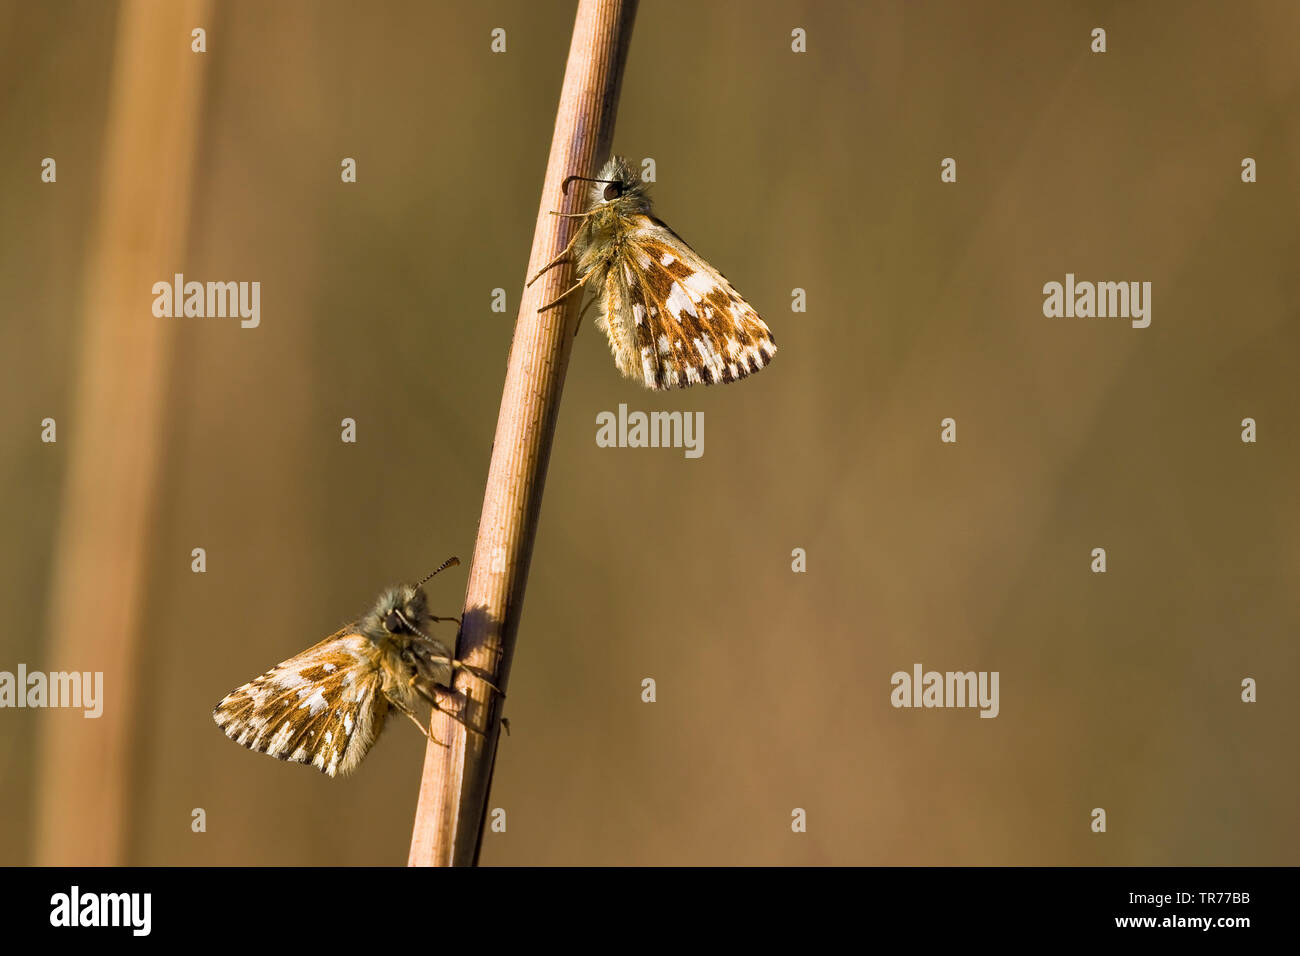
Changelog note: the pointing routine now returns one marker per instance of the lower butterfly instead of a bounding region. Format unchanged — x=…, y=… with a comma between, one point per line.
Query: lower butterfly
x=326, y=706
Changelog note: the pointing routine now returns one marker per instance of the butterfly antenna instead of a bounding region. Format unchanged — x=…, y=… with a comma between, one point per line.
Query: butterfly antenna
x=411, y=624
x=449, y=563
x=564, y=187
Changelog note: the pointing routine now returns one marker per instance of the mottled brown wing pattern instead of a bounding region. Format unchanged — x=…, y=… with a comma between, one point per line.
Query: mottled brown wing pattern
x=323, y=707
x=688, y=324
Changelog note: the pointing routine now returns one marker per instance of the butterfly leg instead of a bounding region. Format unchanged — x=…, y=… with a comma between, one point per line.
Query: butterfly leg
x=563, y=256
x=415, y=720
x=429, y=653
x=577, y=325
x=436, y=620
x=456, y=665
x=566, y=293
x=433, y=702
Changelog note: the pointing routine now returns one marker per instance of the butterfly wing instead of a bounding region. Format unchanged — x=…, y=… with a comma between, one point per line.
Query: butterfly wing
x=323, y=707
x=672, y=319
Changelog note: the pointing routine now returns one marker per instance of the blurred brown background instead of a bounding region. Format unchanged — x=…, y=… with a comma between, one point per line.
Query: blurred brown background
x=818, y=171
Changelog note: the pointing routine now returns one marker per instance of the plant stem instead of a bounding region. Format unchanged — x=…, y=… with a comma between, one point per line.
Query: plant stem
x=454, y=788
x=115, y=432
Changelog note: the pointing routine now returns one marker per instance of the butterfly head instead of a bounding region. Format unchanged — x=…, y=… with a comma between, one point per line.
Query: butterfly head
x=400, y=614
x=618, y=187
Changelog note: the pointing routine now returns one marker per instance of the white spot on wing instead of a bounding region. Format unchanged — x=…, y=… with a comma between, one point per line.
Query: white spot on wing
x=315, y=702
x=708, y=355
x=679, y=301
x=280, y=740
x=667, y=259
x=664, y=348
x=700, y=283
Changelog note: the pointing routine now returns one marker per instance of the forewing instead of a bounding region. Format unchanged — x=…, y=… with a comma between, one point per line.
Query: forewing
x=323, y=707
x=689, y=324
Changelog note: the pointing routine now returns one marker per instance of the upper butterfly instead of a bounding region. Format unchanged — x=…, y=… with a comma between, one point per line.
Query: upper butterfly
x=672, y=319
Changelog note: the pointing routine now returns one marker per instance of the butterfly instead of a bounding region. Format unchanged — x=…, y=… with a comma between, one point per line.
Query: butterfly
x=326, y=706
x=672, y=319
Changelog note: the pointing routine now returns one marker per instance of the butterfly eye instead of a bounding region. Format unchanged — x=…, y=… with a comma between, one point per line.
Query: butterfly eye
x=393, y=622
x=613, y=191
